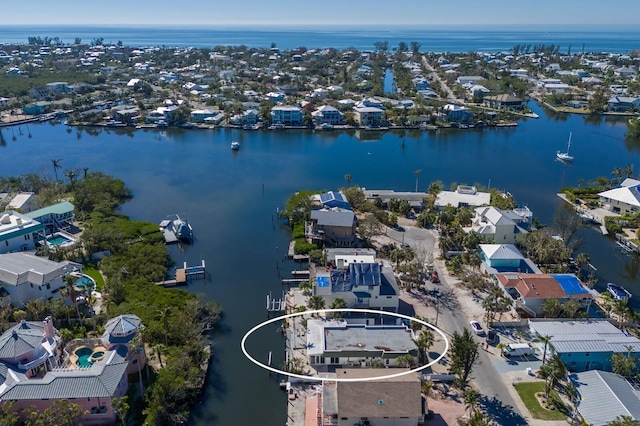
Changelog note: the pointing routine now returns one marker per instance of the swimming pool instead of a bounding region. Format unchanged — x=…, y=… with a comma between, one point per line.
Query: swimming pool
x=84, y=357
x=86, y=282
x=57, y=239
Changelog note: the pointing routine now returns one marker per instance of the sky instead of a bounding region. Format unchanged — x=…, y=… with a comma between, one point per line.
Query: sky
x=326, y=12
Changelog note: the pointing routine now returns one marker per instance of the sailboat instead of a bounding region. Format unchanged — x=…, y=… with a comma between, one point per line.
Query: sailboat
x=564, y=156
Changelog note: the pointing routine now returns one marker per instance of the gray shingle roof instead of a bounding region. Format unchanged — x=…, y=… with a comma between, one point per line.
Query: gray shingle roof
x=604, y=396
x=21, y=339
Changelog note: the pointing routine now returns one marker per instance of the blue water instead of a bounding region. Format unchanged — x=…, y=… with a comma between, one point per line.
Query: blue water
x=231, y=200
x=434, y=38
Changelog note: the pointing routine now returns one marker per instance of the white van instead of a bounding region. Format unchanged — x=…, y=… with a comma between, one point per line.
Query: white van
x=518, y=349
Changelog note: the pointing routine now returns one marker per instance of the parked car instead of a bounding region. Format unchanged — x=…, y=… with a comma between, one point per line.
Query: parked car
x=477, y=328
x=518, y=349
x=492, y=336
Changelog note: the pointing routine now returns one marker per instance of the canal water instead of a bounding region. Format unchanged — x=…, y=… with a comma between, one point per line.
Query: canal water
x=232, y=199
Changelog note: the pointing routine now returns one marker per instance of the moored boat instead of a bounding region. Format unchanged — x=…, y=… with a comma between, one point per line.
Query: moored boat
x=564, y=156
x=235, y=145
x=618, y=292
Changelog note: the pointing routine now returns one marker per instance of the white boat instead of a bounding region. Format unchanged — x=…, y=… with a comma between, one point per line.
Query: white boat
x=235, y=145
x=564, y=156
x=617, y=292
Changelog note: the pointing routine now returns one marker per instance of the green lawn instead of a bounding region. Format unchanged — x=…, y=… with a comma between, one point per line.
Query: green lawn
x=95, y=274
x=527, y=392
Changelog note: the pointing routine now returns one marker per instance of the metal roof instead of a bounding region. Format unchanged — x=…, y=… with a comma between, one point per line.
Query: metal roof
x=333, y=217
x=604, y=396
x=100, y=380
x=121, y=326
x=585, y=336
x=59, y=208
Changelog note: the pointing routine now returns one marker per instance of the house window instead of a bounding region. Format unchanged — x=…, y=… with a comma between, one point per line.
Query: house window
x=334, y=360
x=26, y=237
x=569, y=355
x=586, y=354
x=48, y=286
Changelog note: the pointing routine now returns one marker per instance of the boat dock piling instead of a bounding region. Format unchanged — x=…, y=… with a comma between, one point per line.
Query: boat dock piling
x=286, y=281
x=276, y=305
x=183, y=275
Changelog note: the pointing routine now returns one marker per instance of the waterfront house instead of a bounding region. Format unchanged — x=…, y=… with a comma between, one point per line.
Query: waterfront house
x=501, y=258
x=338, y=343
x=55, y=217
x=335, y=227
x=394, y=401
x=503, y=101
x=90, y=372
x=415, y=199
x=35, y=108
x=200, y=115
x=125, y=113
x=245, y=118
x=457, y=113
x=623, y=103
x=477, y=92
x=463, y=196
x=369, y=116
x=287, y=115
x=329, y=200
x=24, y=277
x=501, y=226
x=326, y=114
x=18, y=232
x=586, y=345
x=24, y=202
x=624, y=199
x=604, y=396
x=359, y=281
x=529, y=291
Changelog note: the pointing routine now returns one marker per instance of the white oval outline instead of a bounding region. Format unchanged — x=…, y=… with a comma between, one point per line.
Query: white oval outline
x=321, y=379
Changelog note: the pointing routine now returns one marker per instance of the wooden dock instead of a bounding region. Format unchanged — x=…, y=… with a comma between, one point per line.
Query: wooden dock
x=303, y=272
x=294, y=280
x=183, y=275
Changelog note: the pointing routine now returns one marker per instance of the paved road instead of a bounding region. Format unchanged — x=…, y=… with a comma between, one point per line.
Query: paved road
x=496, y=399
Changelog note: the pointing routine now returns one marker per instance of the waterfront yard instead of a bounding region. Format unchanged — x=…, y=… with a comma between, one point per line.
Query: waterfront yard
x=527, y=392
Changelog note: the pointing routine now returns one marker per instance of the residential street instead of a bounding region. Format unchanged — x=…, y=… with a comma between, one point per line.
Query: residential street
x=497, y=401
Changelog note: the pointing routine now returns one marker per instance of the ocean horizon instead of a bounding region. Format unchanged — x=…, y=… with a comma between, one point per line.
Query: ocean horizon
x=432, y=38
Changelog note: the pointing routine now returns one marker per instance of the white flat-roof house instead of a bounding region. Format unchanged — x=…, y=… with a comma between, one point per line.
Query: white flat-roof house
x=19, y=232
x=24, y=202
x=624, y=199
x=463, y=196
x=25, y=277
x=338, y=343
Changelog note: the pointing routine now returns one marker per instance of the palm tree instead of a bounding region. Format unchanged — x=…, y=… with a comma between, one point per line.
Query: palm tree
x=338, y=303
x=471, y=397
x=56, y=166
x=546, y=339
x=628, y=170
x=71, y=174
x=417, y=173
x=424, y=342
x=69, y=281
x=164, y=315
x=315, y=303
x=158, y=349
x=348, y=178
x=85, y=170
x=135, y=344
